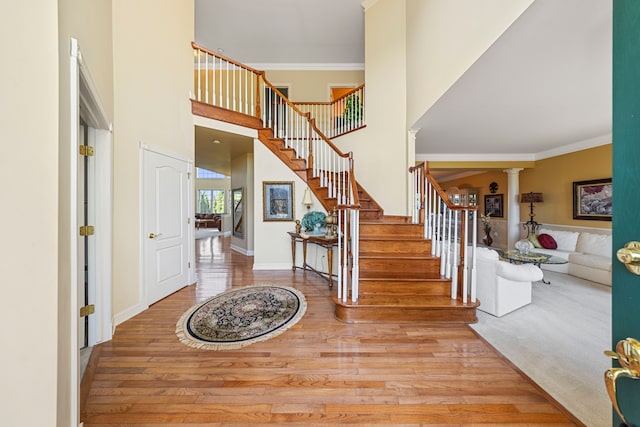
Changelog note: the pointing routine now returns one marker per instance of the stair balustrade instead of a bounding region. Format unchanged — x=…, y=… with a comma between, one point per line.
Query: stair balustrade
x=224, y=83
x=340, y=116
x=452, y=229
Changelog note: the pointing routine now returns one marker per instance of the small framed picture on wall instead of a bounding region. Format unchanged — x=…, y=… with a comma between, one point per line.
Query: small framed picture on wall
x=493, y=205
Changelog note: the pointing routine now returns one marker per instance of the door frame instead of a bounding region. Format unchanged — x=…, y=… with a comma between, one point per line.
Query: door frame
x=85, y=100
x=144, y=294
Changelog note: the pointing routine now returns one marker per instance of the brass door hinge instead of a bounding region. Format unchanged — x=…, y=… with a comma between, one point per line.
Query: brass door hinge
x=188, y=175
x=87, y=310
x=86, y=150
x=87, y=230
x=189, y=264
x=188, y=220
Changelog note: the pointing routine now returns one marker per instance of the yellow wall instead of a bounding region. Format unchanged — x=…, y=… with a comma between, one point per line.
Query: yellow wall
x=153, y=76
x=313, y=86
x=554, y=178
x=29, y=218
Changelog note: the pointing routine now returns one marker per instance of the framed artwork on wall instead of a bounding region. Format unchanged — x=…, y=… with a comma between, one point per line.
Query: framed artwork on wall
x=237, y=196
x=277, y=198
x=493, y=204
x=592, y=199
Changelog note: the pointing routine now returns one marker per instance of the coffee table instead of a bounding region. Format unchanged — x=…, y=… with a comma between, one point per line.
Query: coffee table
x=535, y=258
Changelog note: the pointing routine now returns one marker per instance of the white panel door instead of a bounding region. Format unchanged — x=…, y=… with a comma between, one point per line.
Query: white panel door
x=165, y=227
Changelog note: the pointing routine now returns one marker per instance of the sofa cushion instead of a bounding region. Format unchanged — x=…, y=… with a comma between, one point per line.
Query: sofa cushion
x=593, y=261
x=547, y=242
x=566, y=240
x=594, y=244
x=534, y=241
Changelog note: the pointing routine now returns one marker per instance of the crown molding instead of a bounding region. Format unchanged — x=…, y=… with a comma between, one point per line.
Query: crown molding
x=366, y=4
x=576, y=146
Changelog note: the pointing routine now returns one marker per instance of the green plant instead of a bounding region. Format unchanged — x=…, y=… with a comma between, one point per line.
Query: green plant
x=352, y=109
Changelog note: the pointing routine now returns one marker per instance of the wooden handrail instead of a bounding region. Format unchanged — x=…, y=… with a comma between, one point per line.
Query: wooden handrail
x=439, y=189
x=204, y=49
x=346, y=95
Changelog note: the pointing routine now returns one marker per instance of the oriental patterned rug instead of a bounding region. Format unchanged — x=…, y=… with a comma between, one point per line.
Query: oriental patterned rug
x=240, y=317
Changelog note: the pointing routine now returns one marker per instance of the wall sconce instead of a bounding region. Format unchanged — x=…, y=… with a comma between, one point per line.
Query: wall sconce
x=306, y=199
x=531, y=226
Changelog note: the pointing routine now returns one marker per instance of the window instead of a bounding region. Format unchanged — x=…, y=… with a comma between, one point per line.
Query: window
x=207, y=174
x=211, y=201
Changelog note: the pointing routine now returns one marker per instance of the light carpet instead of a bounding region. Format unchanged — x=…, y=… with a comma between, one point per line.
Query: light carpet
x=558, y=341
x=239, y=317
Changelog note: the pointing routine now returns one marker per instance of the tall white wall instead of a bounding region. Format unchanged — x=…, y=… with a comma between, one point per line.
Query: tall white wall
x=153, y=76
x=444, y=38
x=380, y=150
x=29, y=218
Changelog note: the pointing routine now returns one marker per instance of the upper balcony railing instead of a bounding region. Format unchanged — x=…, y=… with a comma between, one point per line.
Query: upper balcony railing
x=340, y=116
x=225, y=84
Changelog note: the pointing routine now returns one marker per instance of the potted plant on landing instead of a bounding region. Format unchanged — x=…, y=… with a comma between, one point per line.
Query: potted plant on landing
x=352, y=113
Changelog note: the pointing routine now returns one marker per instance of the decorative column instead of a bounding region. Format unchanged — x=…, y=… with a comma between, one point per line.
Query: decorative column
x=513, y=222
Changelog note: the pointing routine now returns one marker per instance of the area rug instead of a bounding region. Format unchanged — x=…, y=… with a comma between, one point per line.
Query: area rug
x=240, y=317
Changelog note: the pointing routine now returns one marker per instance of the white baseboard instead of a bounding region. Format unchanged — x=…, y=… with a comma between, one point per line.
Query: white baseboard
x=241, y=250
x=127, y=314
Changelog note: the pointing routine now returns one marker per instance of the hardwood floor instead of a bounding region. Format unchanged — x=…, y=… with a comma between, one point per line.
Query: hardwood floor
x=319, y=372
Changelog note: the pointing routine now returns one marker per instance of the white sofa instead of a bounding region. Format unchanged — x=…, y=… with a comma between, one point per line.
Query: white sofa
x=503, y=287
x=588, y=254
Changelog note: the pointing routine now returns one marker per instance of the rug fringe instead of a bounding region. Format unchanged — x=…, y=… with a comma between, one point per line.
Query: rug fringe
x=190, y=341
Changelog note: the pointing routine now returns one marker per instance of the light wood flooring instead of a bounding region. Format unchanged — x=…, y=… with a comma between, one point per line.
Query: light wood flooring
x=319, y=372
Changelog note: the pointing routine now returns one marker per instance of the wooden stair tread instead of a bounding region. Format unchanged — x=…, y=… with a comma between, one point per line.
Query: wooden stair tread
x=399, y=301
x=397, y=256
x=398, y=275
x=396, y=237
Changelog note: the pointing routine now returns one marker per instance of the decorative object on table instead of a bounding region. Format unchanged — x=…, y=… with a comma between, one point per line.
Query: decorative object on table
x=531, y=226
x=306, y=199
x=332, y=224
x=493, y=187
x=237, y=196
x=298, y=226
x=240, y=317
x=592, y=199
x=277, y=199
x=493, y=204
x=486, y=226
x=313, y=221
x=523, y=246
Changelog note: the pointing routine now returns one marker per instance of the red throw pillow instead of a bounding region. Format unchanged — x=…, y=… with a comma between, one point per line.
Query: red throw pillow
x=547, y=241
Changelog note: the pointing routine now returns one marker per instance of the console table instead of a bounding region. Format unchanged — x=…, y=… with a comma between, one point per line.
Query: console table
x=322, y=241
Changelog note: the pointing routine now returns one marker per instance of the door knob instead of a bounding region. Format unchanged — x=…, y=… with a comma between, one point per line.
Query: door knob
x=628, y=355
x=153, y=235
x=630, y=257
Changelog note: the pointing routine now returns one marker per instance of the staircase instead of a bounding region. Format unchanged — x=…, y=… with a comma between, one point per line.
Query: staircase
x=399, y=278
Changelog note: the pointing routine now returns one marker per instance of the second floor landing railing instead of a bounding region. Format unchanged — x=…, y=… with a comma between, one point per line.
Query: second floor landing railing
x=340, y=116
x=452, y=229
x=224, y=83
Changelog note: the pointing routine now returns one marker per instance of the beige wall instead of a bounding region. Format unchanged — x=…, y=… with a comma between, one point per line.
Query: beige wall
x=28, y=166
x=90, y=24
x=435, y=30
x=313, y=86
x=382, y=145
x=153, y=76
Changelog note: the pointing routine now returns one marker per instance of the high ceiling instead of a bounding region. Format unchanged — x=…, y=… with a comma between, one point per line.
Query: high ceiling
x=543, y=88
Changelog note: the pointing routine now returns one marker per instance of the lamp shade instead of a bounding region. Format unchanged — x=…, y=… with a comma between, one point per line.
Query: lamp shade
x=531, y=198
x=306, y=199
